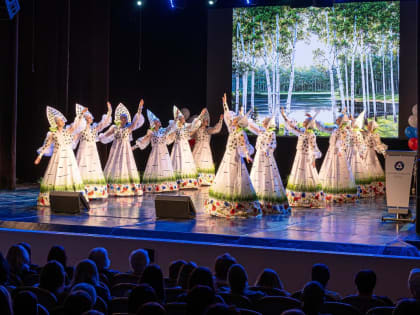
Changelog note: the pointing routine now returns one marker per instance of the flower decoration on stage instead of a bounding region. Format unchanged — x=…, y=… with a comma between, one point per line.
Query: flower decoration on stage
x=79, y=110
x=121, y=110
x=52, y=115
x=411, y=130
x=152, y=119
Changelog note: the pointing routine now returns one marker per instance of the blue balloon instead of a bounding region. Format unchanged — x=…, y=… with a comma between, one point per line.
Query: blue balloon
x=410, y=132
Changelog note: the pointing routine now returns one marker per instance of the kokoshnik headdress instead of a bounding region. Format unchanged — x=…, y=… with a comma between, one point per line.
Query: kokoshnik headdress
x=121, y=110
x=152, y=119
x=52, y=115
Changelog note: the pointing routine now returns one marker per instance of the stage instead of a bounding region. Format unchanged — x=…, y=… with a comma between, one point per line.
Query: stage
x=349, y=228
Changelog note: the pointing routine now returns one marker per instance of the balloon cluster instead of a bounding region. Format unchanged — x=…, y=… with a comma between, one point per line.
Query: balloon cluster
x=411, y=130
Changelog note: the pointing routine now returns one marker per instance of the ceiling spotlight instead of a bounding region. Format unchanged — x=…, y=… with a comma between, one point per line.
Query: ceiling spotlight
x=139, y=3
x=172, y=4
x=211, y=2
x=249, y=2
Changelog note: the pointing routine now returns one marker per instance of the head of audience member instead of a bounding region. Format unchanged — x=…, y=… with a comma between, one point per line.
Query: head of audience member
x=238, y=279
x=139, y=260
x=174, y=269
x=184, y=274
x=18, y=259
x=25, y=303
x=201, y=276
x=321, y=273
x=99, y=255
x=5, y=302
x=151, y=308
x=88, y=288
x=58, y=253
x=141, y=294
x=28, y=249
x=153, y=276
x=221, y=309
x=414, y=283
x=199, y=299
x=86, y=271
x=312, y=297
x=294, y=311
x=4, y=270
x=222, y=265
x=269, y=279
x=365, y=281
x=53, y=277
x=77, y=303
x=407, y=307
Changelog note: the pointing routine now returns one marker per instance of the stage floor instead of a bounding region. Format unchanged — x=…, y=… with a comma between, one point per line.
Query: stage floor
x=350, y=228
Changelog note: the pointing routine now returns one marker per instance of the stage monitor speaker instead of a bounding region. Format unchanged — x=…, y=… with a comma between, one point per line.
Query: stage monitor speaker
x=68, y=201
x=174, y=207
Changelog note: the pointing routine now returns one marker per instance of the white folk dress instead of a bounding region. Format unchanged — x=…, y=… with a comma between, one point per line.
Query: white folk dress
x=376, y=172
x=159, y=175
x=202, y=154
x=335, y=175
x=303, y=187
x=356, y=157
x=121, y=171
x=232, y=193
x=182, y=158
x=89, y=162
x=265, y=175
x=62, y=173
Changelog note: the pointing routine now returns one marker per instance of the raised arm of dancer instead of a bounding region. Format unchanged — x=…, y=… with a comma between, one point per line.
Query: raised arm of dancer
x=138, y=119
x=106, y=119
x=254, y=128
x=227, y=115
x=46, y=148
x=196, y=123
x=245, y=149
x=289, y=125
x=79, y=123
x=217, y=127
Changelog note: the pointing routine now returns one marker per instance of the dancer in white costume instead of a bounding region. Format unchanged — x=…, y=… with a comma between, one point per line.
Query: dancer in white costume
x=202, y=151
x=62, y=173
x=181, y=155
x=356, y=157
x=265, y=174
x=87, y=154
x=121, y=171
x=303, y=187
x=159, y=175
x=376, y=172
x=232, y=193
x=336, y=177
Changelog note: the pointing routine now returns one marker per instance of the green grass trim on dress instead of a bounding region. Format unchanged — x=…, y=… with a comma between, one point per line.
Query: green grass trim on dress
x=180, y=175
x=304, y=188
x=364, y=181
x=123, y=181
x=207, y=170
x=272, y=199
x=95, y=182
x=232, y=198
x=158, y=180
x=378, y=179
x=349, y=190
x=47, y=188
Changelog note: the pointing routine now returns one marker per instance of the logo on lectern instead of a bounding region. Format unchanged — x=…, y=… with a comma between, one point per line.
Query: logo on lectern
x=399, y=166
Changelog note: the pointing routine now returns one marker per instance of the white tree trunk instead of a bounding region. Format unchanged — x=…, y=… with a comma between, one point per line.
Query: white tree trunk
x=362, y=71
x=238, y=52
x=347, y=83
x=353, y=55
x=252, y=90
x=277, y=86
x=245, y=90
x=372, y=80
x=340, y=84
x=253, y=63
x=237, y=91
x=266, y=68
x=367, y=85
x=292, y=72
x=330, y=68
x=383, y=78
x=391, y=57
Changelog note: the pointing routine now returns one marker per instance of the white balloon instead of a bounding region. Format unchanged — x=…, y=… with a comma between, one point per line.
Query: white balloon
x=414, y=109
x=412, y=121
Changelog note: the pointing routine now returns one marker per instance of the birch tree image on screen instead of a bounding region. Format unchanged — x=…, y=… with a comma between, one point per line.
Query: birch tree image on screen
x=321, y=60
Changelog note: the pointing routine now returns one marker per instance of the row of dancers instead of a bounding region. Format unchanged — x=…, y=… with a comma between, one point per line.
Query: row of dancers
x=350, y=169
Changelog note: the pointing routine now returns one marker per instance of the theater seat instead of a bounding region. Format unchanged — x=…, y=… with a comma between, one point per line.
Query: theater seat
x=118, y=305
x=338, y=308
x=124, y=278
x=172, y=294
x=274, y=305
x=45, y=297
x=176, y=308
x=382, y=310
x=244, y=311
x=237, y=300
x=122, y=289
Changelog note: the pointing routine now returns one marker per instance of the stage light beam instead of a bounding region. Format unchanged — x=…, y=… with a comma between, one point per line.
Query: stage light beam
x=139, y=3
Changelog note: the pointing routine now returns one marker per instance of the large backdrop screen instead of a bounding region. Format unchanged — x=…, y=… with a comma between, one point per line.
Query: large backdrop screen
x=318, y=60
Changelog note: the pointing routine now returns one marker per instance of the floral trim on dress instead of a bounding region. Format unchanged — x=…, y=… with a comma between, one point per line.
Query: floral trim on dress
x=340, y=198
x=205, y=179
x=274, y=208
x=378, y=188
x=125, y=189
x=227, y=209
x=96, y=191
x=365, y=190
x=308, y=199
x=187, y=183
x=160, y=187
